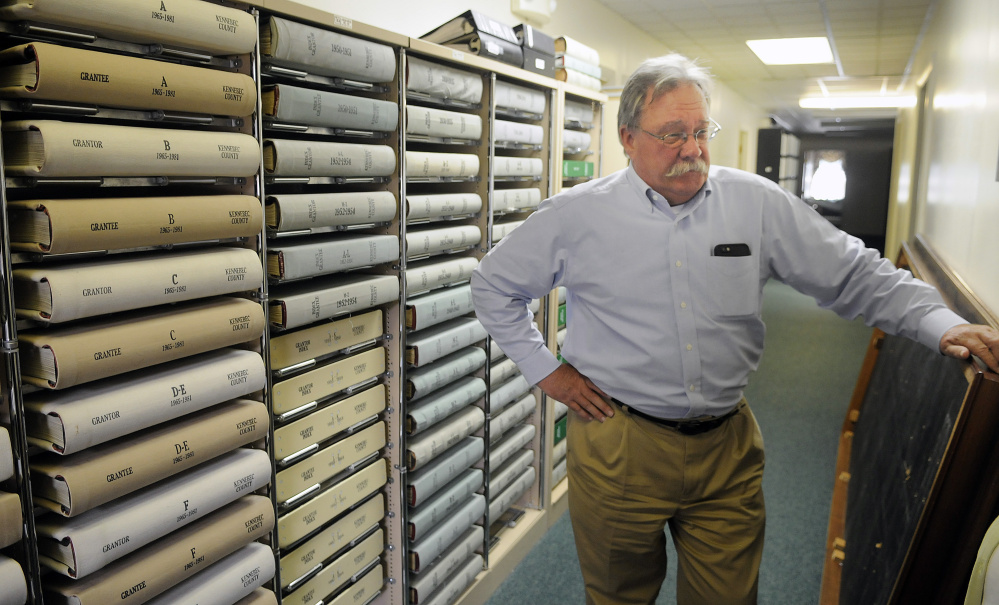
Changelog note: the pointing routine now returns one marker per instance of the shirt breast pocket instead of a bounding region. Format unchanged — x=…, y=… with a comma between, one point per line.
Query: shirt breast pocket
x=733, y=285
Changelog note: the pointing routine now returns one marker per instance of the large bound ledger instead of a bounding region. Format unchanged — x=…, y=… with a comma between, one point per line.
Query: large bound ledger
x=439, y=205
x=189, y=24
x=516, y=413
x=444, y=371
x=429, y=411
x=424, y=582
x=225, y=582
x=426, y=481
x=505, y=475
x=315, y=513
x=517, y=132
x=503, y=500
x=299, y=304
x=317, y=427
x=11, y=519
x=294, y=211
x=50, y=148
x=314, y=256
x=520, y=98
x=329, y=461
x=260, y=596
x=73, y=420
x=326, y=380
x=339, y=572
x=443, y=82
x=456, y=583
x=290, y=157
x=436, y=307
x=13, y=587
x=428, y=445
x=448, y=498
x=62, y=73
x=332, y=539
x=62, y=357
x=424, y=164
x=573, y=48
x=490, y=47
x=324, y=52
x=425, y=550
x=426, y=242
x=510, y=444
x=312, y=107
x=324, y=339
x=429, y=345
x=58, y=293
x=81, y=225
x=513, y=200
x=170, y=560
x=470, y=22
x=75, y=484
x=364, y=590
x=79, y=546
x=431, y=122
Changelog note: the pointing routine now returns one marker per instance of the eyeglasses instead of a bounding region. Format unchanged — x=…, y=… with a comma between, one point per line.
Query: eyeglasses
x=676, y=139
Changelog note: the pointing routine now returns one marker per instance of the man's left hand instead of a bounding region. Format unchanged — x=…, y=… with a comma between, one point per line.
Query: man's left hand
x=972, y=339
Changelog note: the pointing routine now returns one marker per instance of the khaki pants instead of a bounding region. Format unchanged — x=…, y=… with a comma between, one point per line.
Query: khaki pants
x=629, y=478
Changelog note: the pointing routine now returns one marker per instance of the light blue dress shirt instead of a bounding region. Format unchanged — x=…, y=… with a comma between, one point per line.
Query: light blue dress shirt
x=654, y=317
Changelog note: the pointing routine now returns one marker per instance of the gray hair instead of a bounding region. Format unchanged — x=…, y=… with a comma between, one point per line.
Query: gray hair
x=661, y=75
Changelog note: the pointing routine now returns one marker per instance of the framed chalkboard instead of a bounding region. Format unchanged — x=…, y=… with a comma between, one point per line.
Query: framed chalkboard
x=918, y=478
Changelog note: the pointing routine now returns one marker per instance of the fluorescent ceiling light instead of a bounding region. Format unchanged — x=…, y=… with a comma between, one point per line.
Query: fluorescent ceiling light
x=868, y=102
x=792, y=51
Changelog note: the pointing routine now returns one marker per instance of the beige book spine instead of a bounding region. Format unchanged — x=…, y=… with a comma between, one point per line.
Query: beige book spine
x=77, y=149
x=312, y=515
x=326, y=380
x=435, y=164
x=429, y=276
x=170, y=560
x=428, y=445
x=11, y=519
x=106, y=79
x=6, y=455
x=99, y=349
x=288, y=157
x=329, y=462
x=75, y=291
x=317, y=341
x=80, y=225
x=304, y=558
x=327, y=422
x=75, y=484
x=363, y=590
x=333, y=576
x=13, y=587
x=225, y=582
x=316, y=300
x=326, y=52
x=260, y=596
x=185, y=23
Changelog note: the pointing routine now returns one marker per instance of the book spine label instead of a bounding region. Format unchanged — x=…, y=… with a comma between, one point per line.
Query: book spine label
x=426, y=277
x=432, y=443
x=426, y=481
x=102, y=474
x=140, y=518
x=329, y=461
x=442, y=204
x=99, y=350
x=322, y=158
x=303, y=558
x=113, y=224
x=105, y=79
x=443, y=82
x=334, y=255
x=88, y=289
x=331, y=109
x=435, y=241
x=421, y=416
x=327, y=380
x=312, y=515
x=303, y=309
x=91, y=415
x=312, y=211
x=431, y=122
x=432, y=164
x=324, y=52
x=85, y=149
x=186, y=23
x=437, y=307
x=326, y=423
x=311, y=343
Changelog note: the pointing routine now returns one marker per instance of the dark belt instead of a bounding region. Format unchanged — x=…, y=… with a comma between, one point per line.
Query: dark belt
x=684, y=427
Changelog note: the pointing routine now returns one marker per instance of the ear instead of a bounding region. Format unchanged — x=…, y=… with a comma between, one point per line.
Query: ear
x=627, y=140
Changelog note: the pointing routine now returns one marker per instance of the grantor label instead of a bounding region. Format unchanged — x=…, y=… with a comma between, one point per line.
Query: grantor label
x=98, y=291
x=96, y=420
x=93, y=143
x=113, y=545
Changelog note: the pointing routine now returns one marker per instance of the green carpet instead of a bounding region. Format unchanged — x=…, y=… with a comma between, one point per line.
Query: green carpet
x=799, y=396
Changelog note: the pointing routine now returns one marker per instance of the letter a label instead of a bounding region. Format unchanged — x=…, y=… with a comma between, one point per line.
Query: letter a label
x=163, y=6
x=164, y=84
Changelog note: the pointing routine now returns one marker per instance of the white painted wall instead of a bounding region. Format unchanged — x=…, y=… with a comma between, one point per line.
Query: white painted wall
x=621, y=46
x=959, y=210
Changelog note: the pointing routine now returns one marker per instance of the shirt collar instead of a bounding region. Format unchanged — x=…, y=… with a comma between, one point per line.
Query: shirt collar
x=642, y=189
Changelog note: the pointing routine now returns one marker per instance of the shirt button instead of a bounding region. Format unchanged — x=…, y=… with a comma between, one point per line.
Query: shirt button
x=692, y=388
x=683, y=305
x=690, y=347
x=679, y=264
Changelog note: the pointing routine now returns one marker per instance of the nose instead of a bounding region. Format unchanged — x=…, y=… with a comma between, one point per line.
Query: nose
x=690, y=148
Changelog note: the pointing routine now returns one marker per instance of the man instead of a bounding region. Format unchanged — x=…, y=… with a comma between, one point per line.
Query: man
x=664, y=265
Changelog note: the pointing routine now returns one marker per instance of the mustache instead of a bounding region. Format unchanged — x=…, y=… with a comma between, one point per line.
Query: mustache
x=683, y=167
